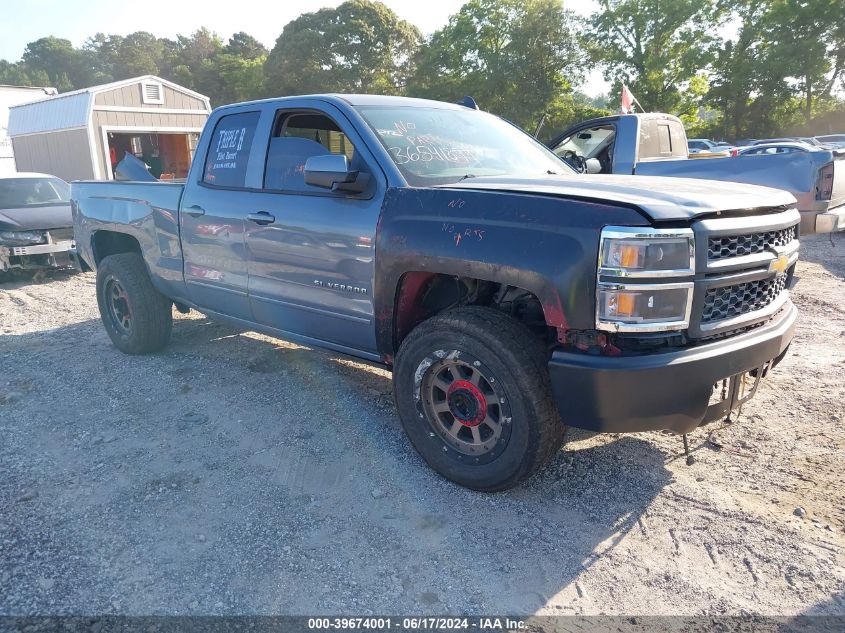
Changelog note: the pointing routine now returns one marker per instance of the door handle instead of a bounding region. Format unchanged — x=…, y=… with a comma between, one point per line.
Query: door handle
x=195, y=210
x=262, y=217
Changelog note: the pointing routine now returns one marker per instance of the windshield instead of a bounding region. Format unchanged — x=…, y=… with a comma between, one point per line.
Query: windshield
x=17, y=193
x=434, y=146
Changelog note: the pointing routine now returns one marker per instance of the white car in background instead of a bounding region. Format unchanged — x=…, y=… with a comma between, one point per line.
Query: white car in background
x=704, y=145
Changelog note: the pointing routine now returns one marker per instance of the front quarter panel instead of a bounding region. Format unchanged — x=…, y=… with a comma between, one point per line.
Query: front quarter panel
x=546, y=245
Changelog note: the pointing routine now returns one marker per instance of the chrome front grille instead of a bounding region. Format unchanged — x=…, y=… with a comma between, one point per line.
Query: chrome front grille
x=743, y=267
x=738, y=245
x=733, y=301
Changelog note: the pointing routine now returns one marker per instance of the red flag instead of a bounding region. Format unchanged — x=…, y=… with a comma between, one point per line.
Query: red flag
x=627, y=100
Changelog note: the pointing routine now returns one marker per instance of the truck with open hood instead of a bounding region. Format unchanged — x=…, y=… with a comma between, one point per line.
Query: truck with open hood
x=655, y=144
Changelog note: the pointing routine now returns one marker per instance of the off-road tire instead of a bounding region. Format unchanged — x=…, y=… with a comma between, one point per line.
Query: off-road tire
x=151, y=312
x=515, y=359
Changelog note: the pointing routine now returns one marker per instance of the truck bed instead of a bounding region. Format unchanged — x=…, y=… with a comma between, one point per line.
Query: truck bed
x=146, y=211
x=797, y=173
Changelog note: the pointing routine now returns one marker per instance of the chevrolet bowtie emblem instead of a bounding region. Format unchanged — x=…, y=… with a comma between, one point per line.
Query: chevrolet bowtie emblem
x=779, y=265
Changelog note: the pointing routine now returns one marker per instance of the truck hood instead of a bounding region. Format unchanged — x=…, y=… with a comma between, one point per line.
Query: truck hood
x=662, y=199
x=50, y=216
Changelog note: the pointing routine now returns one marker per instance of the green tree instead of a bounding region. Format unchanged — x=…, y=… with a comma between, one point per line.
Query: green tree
x=240, y=79
x=361, y=46
x=515, y=57
x=63, y=64
x=102, y=52
x=806, y=38
x=138, y=53
x=17, y=75
x=781, y=69
x=199, y=47
x=565, y=111
x=245, y=46
x=654, y=46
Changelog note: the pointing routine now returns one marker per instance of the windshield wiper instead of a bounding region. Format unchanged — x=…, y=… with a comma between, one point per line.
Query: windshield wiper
x=465, y=176
x=551, y=173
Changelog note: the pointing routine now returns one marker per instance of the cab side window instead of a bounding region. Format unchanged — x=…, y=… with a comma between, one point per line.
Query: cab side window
x=228, y=152
x=296, y=138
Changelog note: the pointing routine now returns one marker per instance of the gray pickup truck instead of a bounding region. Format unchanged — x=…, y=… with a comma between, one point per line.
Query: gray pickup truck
x=655, y=144
x=509, y=295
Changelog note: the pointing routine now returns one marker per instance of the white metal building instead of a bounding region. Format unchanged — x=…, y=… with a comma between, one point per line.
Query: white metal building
x=12, y=96
x=83, y=134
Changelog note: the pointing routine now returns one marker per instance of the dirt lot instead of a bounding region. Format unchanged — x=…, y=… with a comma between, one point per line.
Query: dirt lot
x=235, y=473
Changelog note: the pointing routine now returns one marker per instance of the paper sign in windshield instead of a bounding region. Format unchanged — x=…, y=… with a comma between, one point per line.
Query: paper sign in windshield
x=407, y=145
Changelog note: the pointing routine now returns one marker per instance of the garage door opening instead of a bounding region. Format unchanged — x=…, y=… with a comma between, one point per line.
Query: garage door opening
x=168, y=155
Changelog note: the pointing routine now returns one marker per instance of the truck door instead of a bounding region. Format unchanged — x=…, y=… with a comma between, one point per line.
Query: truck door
x=212, y=217
x=311, y=250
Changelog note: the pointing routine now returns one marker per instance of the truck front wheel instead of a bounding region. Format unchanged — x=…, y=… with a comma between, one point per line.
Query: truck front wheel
x=473, y=393
x=137, y=317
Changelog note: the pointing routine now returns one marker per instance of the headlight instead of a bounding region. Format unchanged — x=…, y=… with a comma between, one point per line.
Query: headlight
x=644, y=307
x=639, y=252
x=646, y=253
x=22, y=238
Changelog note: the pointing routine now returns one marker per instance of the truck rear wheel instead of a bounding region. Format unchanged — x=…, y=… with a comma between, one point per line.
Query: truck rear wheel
x=473, y=394
x=137, y=317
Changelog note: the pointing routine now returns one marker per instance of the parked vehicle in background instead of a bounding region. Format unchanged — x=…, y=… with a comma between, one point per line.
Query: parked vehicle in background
x=655, y=144
x=702, y=145
x=832, y=139
x=508, y=294
x=768, y=141
x=785, y=147
x=36, y=226
x=811, y=140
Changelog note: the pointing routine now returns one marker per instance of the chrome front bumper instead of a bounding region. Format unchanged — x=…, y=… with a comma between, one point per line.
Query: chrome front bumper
x=50, y=249
x=831, y=221
x=39, y=249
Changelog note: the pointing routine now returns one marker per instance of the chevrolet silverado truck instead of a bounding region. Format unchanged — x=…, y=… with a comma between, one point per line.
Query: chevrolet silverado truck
x=509, y=295
x=655, y=144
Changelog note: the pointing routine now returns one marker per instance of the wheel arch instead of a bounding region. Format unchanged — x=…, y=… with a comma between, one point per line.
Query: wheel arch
x=106, y=242
x=420, y=294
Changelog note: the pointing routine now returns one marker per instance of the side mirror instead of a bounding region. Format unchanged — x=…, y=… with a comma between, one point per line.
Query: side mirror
x=332, y=172
x=593, y=166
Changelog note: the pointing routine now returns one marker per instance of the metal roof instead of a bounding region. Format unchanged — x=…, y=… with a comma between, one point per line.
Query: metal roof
x=72, y=109
x=65, y=111
x=27, y=174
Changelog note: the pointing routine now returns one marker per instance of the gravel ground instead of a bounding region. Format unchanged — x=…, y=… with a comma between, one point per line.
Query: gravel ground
x=235, y=473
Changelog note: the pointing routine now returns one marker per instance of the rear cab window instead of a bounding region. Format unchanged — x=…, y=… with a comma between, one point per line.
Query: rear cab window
x=229, y=149
x=663, y=139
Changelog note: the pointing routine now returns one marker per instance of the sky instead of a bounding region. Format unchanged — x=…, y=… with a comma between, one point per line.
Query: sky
x=76, y=20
